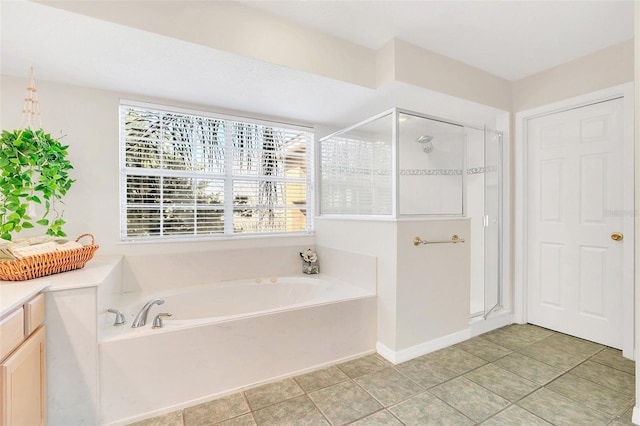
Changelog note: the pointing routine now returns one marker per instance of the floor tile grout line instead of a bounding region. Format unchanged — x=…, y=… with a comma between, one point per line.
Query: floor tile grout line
x=454, y=408
x=246, y=400
x=600, y=384
x=380, y=402
x=610, y=366
x=579, y=402
x=319, y=410
x=530, y=412
x=322, y=387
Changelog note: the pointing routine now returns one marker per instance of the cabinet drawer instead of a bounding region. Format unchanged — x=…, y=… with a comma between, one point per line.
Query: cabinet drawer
x=11, y=332
x=34, y=313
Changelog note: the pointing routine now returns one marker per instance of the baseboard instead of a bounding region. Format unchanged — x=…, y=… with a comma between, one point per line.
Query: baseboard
x=635, y=419
x=477, y=326
x=403, y=355
x=499, y=319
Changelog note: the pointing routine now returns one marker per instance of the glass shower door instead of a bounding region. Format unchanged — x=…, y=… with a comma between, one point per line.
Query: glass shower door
x=492, y=221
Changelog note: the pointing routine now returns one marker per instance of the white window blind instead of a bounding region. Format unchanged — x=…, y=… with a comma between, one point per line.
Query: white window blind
x=187, y=174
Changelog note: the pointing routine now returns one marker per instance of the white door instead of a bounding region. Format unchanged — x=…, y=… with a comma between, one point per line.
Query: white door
x=574, y=210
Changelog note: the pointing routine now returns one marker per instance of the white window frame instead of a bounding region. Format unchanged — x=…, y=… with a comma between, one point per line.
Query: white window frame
x=227, y=176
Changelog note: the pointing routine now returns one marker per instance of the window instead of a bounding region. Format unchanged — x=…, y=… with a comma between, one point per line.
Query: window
x=187, y=174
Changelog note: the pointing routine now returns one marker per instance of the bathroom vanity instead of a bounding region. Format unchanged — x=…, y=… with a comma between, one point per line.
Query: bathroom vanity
x=23, y=379
x=58, y=387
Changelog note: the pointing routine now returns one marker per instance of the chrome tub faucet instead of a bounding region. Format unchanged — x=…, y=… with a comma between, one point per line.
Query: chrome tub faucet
x=141, y=318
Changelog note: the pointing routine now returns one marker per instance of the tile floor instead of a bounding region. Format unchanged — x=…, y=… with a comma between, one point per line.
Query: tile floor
x=516, y=375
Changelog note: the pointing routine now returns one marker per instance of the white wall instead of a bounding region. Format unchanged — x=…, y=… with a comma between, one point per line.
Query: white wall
x=424, y=68
x=433, y=283
x=600, y=70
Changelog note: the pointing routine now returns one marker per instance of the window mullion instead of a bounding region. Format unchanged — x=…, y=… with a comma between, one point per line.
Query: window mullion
x=162, y=131
x=228, y=180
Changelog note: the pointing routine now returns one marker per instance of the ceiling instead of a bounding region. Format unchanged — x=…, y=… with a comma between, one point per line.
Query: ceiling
x=511, y=39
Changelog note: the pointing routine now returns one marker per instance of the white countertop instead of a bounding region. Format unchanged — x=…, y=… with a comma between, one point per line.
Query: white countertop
x=15, y=293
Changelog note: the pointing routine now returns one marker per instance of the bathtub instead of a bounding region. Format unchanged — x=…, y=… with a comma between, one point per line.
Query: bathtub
x=225, y=337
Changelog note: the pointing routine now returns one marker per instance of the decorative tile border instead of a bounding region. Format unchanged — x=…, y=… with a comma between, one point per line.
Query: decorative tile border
x=447, y=172
x=354, y=171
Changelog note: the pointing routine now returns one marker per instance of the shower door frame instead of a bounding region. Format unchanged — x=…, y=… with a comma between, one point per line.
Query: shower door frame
x=500, y=223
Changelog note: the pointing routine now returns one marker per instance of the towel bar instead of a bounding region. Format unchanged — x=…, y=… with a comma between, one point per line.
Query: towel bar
x=454, y=239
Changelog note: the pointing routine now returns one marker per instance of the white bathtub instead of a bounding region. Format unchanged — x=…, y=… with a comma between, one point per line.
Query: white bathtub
x=225, y=337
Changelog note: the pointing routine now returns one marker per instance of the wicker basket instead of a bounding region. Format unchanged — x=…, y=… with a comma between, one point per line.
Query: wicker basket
x=40, y=265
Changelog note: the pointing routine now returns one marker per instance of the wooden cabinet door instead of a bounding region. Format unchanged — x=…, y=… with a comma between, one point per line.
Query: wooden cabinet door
x=23, y=381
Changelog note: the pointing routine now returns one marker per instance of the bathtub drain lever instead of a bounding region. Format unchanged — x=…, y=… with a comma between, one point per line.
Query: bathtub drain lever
x=157, y=321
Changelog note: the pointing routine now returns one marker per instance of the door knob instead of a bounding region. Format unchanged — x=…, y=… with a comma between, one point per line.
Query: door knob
x=617, y=236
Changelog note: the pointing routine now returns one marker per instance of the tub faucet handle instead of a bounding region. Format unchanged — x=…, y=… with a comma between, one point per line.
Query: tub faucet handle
x=119, y=317
x=157, y=321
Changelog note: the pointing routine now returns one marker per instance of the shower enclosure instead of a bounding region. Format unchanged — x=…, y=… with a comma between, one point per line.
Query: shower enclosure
x=403, y=164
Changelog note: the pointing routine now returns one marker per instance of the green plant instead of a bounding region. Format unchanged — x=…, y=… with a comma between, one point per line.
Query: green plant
x=34, y=170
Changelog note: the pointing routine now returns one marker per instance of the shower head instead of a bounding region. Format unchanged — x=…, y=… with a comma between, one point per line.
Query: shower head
x=427, y=145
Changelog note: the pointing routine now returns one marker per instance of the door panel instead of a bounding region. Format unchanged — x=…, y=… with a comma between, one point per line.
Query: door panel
x=574, y=278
